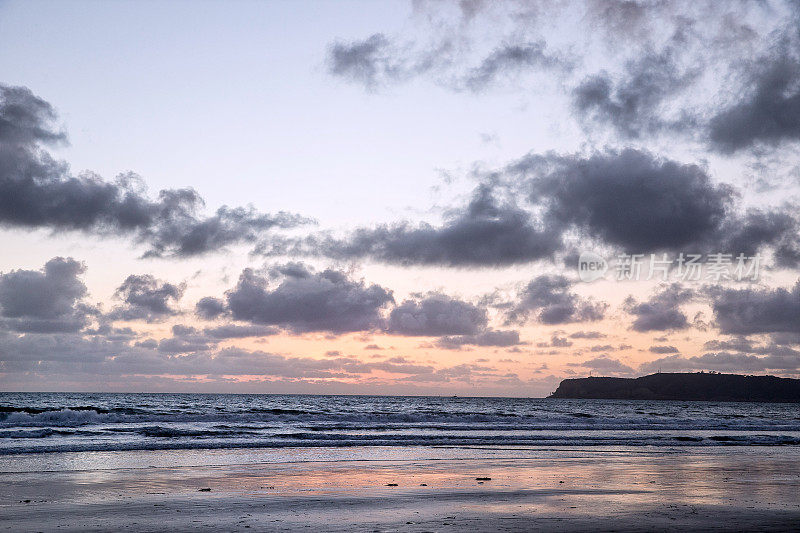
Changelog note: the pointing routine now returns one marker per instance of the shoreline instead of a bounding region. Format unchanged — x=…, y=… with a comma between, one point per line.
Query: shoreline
x=560, y=490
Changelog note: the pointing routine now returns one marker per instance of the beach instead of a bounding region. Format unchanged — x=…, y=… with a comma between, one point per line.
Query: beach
x=406, y=489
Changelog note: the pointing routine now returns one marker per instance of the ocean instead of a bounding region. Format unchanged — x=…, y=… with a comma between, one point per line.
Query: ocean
x=36, y=423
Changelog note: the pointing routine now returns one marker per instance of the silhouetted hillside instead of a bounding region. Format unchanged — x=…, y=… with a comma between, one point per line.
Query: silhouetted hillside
x=697, y=386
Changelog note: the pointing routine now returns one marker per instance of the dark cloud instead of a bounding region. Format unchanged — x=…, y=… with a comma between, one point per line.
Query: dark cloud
x=662, y=311
x=751, y=311
x=628, y=198
x=146, y=298
x=210, y=308
x=768, y=114
x=486, y=338
x=46, y=300
x=25, y=118
x=511, y=58
x=663, y=349
x=632, y=104
x=436, y=315
x=747, y=233
x=36, y=191
x=308, y=301
x=485, y=233
x=548, y=299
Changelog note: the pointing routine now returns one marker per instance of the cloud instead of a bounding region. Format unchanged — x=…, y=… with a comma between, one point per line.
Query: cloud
x=485, y=233
x=752, y=311
x=605, y=364
x=24, y=118
x=768, y=114
x=663, y=349
x=436, y=315
x=308, y=301
x=629, y=198
x=747, y=233
x=486, y=338
x=47, y=300
x=632, y=104
x=209, y=307
x=587, y=335
x=377, y=61
x=725, y=362
x=234, y=331
x=37, y=191
x=362, y=61
x=547, y=298
x=662, y=311
x=511, y=58
x=146, y=298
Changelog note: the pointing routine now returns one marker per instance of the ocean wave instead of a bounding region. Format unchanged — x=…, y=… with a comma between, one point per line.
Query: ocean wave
x=295, y=441
x=326, y=421
x=34, y=423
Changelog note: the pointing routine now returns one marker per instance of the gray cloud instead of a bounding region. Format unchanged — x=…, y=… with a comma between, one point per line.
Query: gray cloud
x=663, y=349
x=747, y=233
x=47, y=300
x=362, y=61
x=511, y=58
x=378, y=60
x=210, y=308
x=308, y=301
x=548, y=299
x=146, y=298
x=436, y=315
x=662, y=311
x=605, y=364
x=184, y=354
x=749, y=311
x=486, y=338
x=632, y=104
x=485, y=233
x=628, y=198
x=768, y=114
x=36, y=191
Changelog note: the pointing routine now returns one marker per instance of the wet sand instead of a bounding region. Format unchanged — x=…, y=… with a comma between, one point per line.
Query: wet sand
x=719, y=489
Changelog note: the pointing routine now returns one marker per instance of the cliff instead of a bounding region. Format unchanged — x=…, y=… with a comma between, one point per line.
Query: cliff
x=696, y=386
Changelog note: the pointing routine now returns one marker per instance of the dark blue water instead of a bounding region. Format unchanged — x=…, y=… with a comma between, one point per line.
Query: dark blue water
x=36, y=422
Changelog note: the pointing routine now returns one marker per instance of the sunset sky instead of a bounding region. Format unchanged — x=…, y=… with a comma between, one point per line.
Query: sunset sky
x=392, y=197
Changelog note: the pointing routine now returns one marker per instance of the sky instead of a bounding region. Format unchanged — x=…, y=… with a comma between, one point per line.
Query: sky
x=426, y=197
